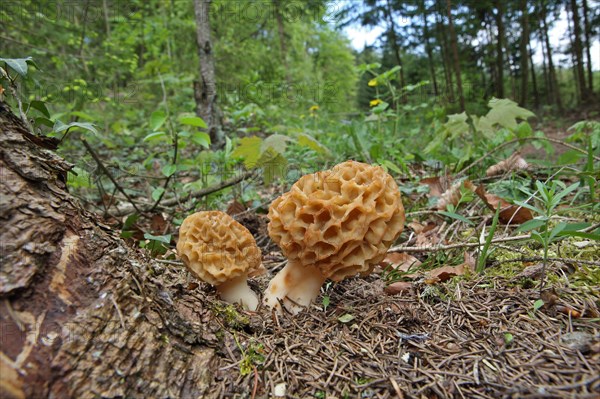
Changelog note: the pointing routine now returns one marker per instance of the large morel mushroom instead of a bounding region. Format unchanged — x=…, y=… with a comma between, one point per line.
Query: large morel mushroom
x=332, y=225
x=222, y=252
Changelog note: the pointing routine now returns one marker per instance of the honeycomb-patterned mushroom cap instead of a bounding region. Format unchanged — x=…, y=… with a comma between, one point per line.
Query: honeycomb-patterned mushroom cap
x=342, y=220
x=216, y=248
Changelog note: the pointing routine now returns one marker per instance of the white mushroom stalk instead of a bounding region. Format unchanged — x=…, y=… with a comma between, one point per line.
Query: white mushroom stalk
x=237, y=290
x=295, y=287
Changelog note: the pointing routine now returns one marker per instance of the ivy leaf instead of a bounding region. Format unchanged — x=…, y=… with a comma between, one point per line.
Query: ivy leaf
x=457, y=125
x=155, y=136
x=157, y=119
x=249, y=149
x=61, y=127
x=193, y=121
x=40, y=106
x=168, y=170
x=157, y=192
x=19, y=65
x=505, y=113
x=202, y=139
x=278, y=142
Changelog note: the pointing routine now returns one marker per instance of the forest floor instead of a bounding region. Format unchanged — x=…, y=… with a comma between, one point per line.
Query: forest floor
x=480, y=338
x=472, y=337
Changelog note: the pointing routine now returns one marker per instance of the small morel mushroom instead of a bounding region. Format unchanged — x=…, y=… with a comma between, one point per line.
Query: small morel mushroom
x=221, y=252
x=332, y=225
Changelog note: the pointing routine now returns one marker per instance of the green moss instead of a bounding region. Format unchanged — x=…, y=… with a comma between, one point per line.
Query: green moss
x=230, y=316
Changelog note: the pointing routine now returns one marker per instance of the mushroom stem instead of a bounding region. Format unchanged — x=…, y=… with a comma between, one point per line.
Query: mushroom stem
x=237, y=291
x=296, y=286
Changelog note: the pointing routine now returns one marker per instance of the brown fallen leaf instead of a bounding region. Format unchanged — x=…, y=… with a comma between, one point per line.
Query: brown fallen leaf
x=415, y=226
x=514, y=162
x=235, y=207
x=444, y=273
x=437, y=184
x=398, y=287
x=453, y=195
x=508, y=213
x=400, y=261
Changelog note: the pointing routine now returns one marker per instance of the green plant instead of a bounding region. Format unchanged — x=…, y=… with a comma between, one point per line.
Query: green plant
x=253, y=356
x=550, y=196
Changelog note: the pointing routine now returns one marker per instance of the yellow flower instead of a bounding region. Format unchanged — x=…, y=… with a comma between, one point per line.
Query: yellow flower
x=314, y=108
x=374, y=103
x=372, y=82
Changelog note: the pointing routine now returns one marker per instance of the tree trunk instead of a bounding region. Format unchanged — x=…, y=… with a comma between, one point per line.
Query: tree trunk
x=547, y=84
x=536, y=94
x=428, y=48
x=588, y=44
x=446, y=64
x=524, y=53
x=205, y=90
x=578, y=48
x=500, y=48
x=394, y=40
x=454, y=45
x=82, y=314
x=576, y=75
x=282, y=44
x=555, y=90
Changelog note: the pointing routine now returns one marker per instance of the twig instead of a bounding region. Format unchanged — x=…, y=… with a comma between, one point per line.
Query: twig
x=436, y=248
x=541, y=258
x=502, y=146
x=106, y=171
x=198, y=194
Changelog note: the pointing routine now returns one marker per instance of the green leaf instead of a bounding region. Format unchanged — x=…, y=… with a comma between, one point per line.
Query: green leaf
x=557, y=229
x=391, y=166
x=531, y=225
x=505, y=113
x=457, y=125
x=530, y=207
x=168, y=170
x=156, y=136
x=457, y=216
x=201, y=138
x=483, y=125
x=40, y=106
x=166, y=239
x=524, y=130
x=538, y=304
x=278, y=142
x=61, y=127
x=43, y=121
x=326, y=302
x=193, y=121
x=305, y=140
x=346, y=318
x=19, y=65
x=249, y=149
x=157, y=119
x=157, y=192
x=273, y=165
x=569, y=157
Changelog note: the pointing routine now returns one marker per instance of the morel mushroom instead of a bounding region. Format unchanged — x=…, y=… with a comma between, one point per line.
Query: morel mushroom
x=332, y=225
x=221, y=252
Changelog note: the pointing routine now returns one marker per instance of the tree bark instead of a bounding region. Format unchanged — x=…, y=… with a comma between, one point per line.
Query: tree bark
x=500, y=48
x=524, y=53
x=205, y=90
x=446, y=63
x=588, y=44
x=82, y=315
x=454, y=45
